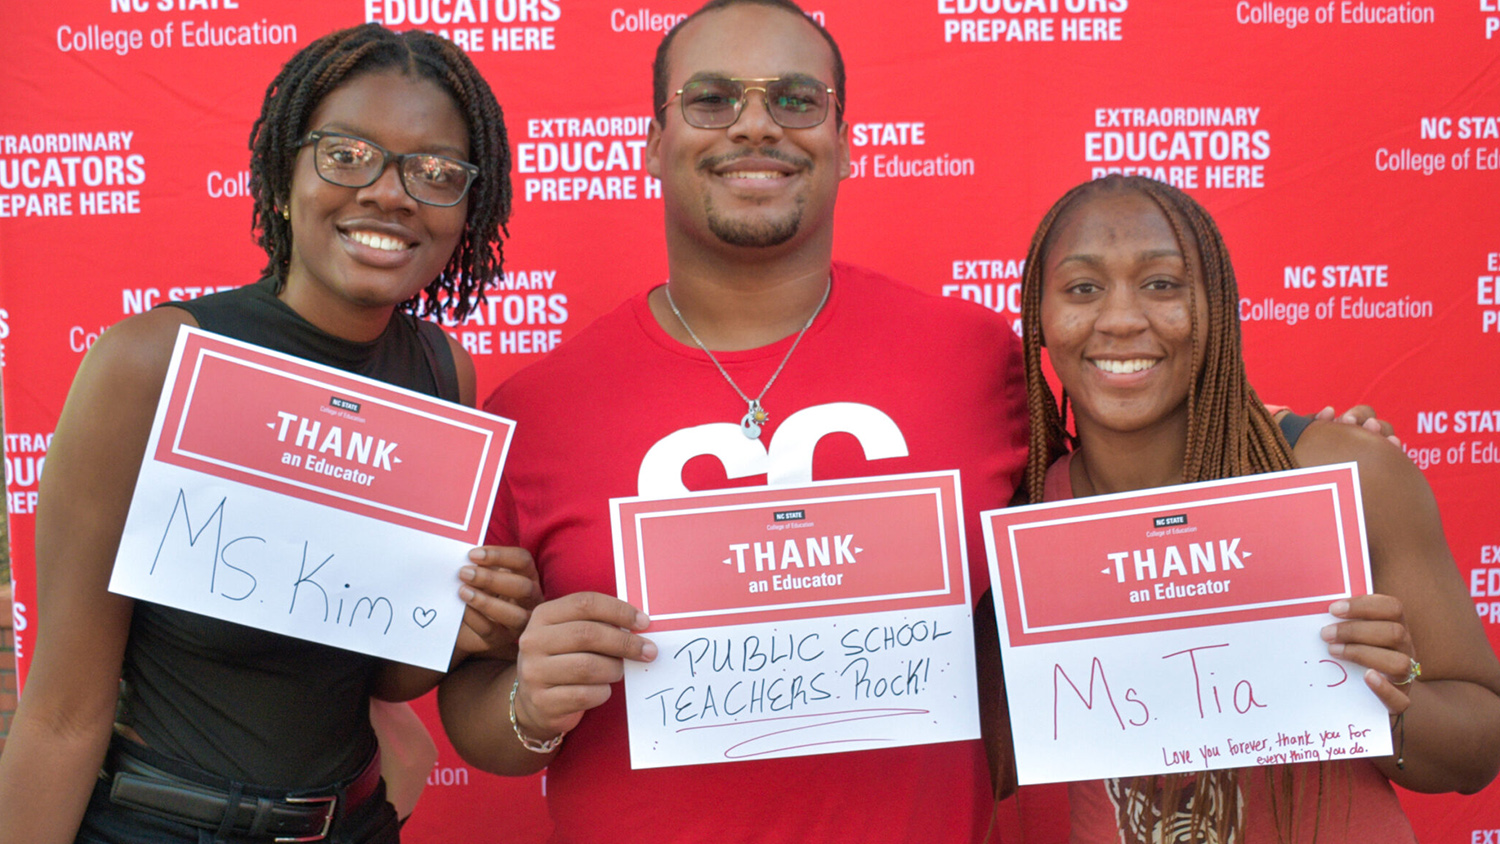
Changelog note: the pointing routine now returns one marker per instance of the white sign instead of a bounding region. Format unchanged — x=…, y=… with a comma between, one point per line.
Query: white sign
x=296, y=498
x=1177, y=629
x=794, y=620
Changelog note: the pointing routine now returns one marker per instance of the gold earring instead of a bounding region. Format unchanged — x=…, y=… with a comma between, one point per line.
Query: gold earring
x=286, y=213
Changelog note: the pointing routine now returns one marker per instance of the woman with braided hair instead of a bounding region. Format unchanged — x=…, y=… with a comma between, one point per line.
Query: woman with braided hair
x=1129, y=288
x=380, y=174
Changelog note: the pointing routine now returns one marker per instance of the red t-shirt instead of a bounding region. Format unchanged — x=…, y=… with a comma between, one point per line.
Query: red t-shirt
x=887, y=380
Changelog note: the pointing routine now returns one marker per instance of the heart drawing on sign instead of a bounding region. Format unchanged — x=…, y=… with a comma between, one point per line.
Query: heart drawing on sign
x=423, y=617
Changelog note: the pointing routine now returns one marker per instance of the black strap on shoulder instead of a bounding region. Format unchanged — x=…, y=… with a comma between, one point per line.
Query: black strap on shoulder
x=1292, y=426
x=439, y=358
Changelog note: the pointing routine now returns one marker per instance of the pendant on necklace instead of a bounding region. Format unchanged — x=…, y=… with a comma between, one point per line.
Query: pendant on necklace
x=753, y=419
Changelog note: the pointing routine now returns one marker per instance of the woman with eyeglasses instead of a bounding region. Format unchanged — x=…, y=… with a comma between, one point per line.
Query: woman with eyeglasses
x=1129, y=288
x=380, y=174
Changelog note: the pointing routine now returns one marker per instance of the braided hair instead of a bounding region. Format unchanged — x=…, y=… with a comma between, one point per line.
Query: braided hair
x=333, y=60
x=1230, y=433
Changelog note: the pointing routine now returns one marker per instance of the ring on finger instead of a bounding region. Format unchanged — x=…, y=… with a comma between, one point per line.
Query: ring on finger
x=1412, y=673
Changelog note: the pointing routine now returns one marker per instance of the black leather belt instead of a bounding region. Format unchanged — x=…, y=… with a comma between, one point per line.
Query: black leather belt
x=285, y=818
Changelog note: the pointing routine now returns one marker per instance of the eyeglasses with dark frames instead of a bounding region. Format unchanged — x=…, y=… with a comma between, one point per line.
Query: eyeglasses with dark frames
x=353, y=162
x=715, y=102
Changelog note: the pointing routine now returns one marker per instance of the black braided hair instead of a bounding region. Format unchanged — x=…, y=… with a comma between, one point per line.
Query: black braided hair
x=333, y=60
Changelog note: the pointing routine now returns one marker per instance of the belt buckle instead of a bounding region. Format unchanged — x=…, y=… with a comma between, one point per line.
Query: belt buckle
x=332, y=802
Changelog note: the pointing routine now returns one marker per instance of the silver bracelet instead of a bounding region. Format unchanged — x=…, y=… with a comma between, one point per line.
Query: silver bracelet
x=528, y=742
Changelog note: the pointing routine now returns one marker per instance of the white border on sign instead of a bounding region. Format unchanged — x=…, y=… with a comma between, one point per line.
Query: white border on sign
x=1338, y=517
x=936, y=492
x=473, y=486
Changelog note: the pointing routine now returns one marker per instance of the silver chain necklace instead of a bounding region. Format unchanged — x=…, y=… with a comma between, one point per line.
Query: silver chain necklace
x=755, y=416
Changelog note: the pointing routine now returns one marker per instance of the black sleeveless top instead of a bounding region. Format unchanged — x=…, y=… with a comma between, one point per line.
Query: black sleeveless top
x=248, y=704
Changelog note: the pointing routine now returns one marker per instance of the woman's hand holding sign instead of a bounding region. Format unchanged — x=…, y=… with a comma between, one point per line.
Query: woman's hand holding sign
x=1420, y=611
x=1373, y=633
x=501, y=588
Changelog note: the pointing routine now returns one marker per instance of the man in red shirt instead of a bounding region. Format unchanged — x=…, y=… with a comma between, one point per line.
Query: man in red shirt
x=761, y=360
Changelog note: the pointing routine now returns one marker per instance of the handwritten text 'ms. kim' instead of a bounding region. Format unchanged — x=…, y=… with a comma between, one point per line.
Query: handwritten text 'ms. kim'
x=236, y=572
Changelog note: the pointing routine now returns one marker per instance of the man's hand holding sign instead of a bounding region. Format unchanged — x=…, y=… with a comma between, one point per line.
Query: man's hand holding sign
x=792, y=620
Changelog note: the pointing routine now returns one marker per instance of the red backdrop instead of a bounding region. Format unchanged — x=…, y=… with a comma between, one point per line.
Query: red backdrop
x=1349, y=150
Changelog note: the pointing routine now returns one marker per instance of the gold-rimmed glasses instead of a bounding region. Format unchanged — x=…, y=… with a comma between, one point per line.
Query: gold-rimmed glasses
x=715, y=102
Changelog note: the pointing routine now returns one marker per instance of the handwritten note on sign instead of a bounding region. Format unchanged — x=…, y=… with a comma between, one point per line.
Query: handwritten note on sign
x=296, y=498
x=794, y=620
x=1176, y=629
